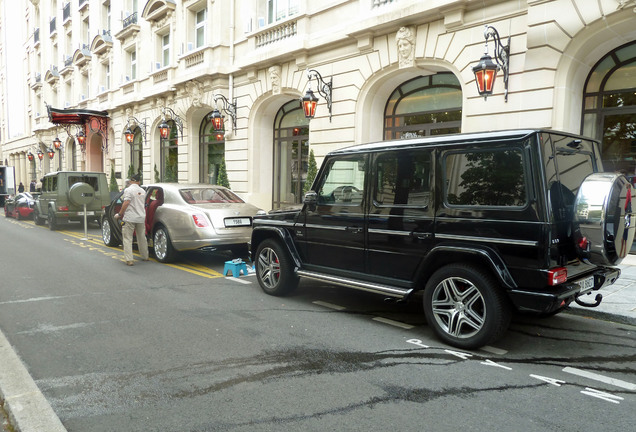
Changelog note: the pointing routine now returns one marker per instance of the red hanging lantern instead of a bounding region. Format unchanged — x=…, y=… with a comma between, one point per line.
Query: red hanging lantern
x=164, y=130
x=130, y=136
x=308, y=104
x=30, y=156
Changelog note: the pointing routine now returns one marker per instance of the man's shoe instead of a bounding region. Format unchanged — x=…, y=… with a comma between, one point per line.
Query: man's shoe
x=130, y=263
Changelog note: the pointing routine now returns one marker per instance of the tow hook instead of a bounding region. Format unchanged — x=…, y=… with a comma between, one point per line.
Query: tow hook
x=597, y=301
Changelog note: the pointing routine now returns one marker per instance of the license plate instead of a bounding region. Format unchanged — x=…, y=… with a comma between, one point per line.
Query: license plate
x=235, y=222
x=88, y=213
x=587, y=283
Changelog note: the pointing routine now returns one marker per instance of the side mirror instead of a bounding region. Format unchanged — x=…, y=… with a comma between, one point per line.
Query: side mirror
x=311, y=200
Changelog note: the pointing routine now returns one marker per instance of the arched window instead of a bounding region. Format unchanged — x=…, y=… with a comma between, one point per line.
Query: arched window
x=170, y=154
x=428, y=105
x=609, y=108
x=212, y=152
x=291, y=154
x=136, y=153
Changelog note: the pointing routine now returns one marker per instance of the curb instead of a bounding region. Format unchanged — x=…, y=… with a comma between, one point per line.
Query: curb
x=25, y=404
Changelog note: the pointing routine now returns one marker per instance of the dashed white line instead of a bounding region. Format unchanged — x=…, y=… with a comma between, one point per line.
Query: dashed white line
x=393, y=323
x=601, y=378
x=329, y=305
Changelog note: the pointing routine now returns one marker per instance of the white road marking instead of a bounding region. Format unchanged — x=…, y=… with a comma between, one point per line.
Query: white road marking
x=239, y=280
x=393, y=323
x=329, y=305
x=493, y=350
x=602, y=395
x=601, y=378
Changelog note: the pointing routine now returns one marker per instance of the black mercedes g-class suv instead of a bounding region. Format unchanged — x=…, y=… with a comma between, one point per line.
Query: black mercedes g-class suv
x=486, y=224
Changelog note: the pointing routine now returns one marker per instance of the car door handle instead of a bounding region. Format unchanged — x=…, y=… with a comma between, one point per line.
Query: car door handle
x=421, y=235
x=353, y=229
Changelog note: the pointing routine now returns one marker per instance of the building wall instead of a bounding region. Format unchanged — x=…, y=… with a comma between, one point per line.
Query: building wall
x=554, y=45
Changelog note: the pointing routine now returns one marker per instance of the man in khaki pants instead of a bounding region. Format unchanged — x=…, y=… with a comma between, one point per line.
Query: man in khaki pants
x=133, y=213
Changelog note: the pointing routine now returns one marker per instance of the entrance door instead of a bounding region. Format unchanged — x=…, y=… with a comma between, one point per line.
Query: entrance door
x=291, y=155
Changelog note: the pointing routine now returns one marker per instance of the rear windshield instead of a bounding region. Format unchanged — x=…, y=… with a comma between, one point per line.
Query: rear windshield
x=567, y=162
x=91, y=180
x=209, y=195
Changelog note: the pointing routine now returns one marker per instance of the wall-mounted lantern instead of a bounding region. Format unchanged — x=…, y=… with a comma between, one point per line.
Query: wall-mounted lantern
x=309, y=101
x=486, y=70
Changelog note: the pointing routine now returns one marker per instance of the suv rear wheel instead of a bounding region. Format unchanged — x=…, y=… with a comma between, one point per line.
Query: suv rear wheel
x=39, y=220
x=274, y=269
x=465, y=307
x=52, y=220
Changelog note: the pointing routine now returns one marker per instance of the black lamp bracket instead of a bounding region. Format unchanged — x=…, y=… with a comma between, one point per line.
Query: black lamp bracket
x=134, y=122
x=502, y=54
x=324, y=88
x=174, y=117
x=228, y=108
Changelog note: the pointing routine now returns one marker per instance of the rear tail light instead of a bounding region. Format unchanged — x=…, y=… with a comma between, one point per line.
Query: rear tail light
x=557, y=276
x=200, y=220
x=62, y=208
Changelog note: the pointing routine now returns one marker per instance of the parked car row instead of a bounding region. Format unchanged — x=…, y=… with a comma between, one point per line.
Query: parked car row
x=182, y=217
x=179, y=217
x=20, y=206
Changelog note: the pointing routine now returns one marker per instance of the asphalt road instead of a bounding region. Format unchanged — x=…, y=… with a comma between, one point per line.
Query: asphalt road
x=178, y=347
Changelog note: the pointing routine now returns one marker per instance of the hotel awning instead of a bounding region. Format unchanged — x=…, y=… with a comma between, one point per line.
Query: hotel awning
x=88, y=120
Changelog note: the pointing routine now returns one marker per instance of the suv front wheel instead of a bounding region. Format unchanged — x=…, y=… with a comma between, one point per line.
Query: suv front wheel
x=465, y=307
x=274, y=269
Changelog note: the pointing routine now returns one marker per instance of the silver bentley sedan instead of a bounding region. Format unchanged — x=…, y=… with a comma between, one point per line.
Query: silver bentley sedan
x=181, y=217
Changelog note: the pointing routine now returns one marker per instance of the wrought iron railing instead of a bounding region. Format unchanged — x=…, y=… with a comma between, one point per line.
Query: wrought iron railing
x=130, y=19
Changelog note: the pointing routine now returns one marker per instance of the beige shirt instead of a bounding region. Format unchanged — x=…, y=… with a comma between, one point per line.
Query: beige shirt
x=135, y=212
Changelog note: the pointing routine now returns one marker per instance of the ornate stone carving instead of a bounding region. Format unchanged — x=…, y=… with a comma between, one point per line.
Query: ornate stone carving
x=194, y=89
x=274, y=75
x=622, y=4
x=405, y=39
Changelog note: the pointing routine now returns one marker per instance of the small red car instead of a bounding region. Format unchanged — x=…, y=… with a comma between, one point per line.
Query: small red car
x=20, y=206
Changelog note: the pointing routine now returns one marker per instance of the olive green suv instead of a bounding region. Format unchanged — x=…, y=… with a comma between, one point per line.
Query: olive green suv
x=67, y=194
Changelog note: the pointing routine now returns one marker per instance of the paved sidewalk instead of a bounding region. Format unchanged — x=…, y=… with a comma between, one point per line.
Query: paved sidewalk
x=619, y=300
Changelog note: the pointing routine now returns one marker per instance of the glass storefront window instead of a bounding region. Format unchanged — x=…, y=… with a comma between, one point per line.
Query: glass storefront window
x=430, y=105
x=212, y=152
x=291, y=155
x=609, y=113
x=170, y=155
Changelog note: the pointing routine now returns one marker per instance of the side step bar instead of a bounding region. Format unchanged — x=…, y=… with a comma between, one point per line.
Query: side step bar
x=364, y=286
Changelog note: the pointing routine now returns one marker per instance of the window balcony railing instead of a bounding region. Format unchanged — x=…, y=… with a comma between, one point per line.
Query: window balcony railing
x=274, y=34
x=66, y=12
x=52, y=26
x=68, y=61
x=131, y=19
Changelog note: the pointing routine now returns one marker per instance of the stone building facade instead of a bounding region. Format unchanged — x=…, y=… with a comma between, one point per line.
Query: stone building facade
x=398, y=69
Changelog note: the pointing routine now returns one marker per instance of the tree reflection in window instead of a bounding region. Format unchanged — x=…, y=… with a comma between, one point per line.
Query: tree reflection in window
x=486, y=178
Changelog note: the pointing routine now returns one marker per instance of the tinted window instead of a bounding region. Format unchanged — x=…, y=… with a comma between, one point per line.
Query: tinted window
x=209, y=195
x=485, y=178
x=91, y=180
x=343, y=182
x=403, y=179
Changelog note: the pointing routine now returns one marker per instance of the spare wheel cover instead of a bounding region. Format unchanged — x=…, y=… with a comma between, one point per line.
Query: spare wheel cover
x=81, y=193
x=604, y=222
